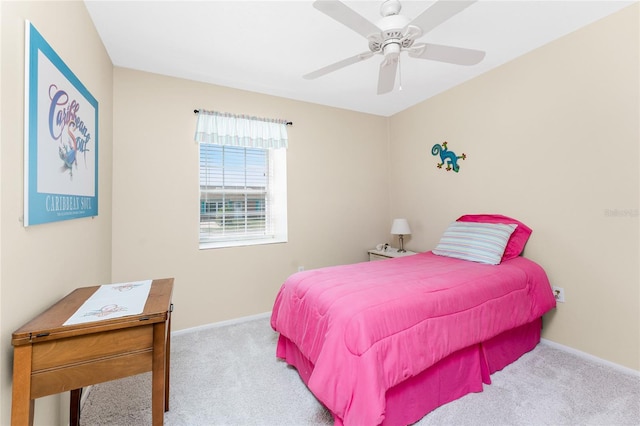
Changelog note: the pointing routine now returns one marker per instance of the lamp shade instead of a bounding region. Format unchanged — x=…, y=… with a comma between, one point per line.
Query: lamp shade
x=400, y=227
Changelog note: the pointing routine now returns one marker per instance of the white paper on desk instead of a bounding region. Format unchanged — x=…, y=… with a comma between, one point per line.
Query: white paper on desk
x=113, y=301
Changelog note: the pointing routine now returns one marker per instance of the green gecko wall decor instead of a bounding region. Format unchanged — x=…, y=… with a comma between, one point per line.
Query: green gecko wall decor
x=447, y=157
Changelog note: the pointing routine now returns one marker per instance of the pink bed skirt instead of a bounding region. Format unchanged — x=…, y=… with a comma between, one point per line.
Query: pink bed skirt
x=460, y=373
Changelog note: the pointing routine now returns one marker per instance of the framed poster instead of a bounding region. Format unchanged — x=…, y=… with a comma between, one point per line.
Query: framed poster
x=61, y=138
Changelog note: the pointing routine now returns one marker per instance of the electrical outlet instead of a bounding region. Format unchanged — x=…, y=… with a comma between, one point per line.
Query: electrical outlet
x=300, y=268
x=558, y=293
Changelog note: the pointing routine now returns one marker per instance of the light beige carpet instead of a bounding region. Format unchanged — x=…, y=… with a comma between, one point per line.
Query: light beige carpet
x=229, y=375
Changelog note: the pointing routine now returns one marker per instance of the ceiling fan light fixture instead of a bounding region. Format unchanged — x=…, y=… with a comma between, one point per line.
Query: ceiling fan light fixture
x=391, y=49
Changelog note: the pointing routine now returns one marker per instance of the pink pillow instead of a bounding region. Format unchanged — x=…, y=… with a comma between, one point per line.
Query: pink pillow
x=518, y=239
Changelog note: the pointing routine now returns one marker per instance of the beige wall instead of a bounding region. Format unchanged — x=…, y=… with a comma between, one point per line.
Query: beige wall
x=552, y=139
x=42, y=263
x=337, y=206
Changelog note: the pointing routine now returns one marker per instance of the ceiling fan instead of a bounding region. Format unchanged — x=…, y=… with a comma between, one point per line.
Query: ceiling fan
x=395, y=33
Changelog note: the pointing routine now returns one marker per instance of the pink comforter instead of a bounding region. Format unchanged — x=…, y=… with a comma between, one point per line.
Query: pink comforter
x=367, y=327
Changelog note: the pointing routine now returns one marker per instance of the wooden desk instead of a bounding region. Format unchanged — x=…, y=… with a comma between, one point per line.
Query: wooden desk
x=50, y=358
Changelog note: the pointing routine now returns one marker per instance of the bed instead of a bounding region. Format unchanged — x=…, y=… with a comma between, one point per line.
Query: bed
x=386, y=342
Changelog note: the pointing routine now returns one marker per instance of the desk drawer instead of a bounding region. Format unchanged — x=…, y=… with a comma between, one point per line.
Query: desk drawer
x=49, y=382
x=89, y=347
x=374, y=256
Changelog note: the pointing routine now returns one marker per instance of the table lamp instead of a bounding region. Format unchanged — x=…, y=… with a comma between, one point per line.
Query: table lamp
x=401, y=228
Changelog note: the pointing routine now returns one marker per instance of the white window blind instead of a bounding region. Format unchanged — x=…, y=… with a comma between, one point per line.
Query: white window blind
x=242, y=187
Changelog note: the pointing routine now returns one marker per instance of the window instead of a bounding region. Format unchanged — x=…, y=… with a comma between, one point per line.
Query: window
x=243, y=179
x=242, y=196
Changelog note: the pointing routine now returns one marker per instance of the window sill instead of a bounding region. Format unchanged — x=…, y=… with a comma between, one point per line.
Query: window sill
x=241, y=243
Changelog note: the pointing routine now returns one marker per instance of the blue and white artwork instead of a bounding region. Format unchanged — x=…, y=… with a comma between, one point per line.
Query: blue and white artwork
x=61, y=138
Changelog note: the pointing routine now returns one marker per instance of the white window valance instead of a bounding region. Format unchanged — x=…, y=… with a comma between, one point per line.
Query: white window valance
x=240, y=130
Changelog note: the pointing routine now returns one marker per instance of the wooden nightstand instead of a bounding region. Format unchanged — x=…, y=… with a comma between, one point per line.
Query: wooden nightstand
x=391, y=252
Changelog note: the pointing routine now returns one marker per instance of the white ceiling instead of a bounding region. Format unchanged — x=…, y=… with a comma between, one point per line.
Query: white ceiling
x=267, y=46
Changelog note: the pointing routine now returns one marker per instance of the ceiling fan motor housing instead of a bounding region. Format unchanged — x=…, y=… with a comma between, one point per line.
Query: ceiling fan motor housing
x=395, y=30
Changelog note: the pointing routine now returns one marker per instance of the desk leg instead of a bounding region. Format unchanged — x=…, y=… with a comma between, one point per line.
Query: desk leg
x=74, y=407
x=158, y=373
x=21, y=402
x=167, y=367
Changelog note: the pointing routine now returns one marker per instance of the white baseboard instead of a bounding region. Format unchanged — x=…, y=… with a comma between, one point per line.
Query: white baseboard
x=240, y=320
x=620, y=368
x=222, y=323
x=85, y=395
x=87, y=390
x=559, y=346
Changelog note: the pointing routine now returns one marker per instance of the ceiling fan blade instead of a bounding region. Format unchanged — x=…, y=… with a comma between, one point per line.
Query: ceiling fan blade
x=450, y=54
x=387, y=75
x=438, y=13
x=338, y=65
x=346, y=16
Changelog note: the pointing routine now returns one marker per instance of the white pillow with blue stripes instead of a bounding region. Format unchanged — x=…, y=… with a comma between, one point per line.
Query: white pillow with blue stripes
x=474, y=241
